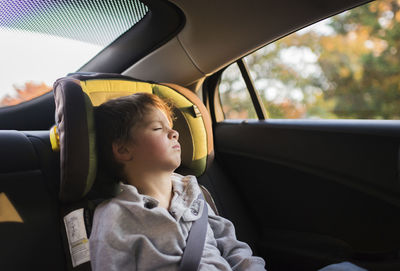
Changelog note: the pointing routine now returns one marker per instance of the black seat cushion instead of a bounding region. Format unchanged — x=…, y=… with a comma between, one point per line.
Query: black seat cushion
x=28, y=187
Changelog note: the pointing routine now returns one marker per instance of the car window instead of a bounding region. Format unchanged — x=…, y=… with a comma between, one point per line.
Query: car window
x=45, y=40
x=235, y=98
x=345, y=67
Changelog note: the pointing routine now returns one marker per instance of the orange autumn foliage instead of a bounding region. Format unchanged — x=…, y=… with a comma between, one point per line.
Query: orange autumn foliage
x=29, y=91
x=292, y=110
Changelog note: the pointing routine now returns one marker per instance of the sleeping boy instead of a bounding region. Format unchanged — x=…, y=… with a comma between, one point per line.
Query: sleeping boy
x=146, y=225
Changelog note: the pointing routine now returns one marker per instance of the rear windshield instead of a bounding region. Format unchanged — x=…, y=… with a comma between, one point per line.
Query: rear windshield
x=45, y=40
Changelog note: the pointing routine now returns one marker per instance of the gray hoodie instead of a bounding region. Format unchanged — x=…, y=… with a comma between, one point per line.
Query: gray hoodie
x=130, y=232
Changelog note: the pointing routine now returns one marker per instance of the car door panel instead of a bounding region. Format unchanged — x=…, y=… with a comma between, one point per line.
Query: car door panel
x=320, y=191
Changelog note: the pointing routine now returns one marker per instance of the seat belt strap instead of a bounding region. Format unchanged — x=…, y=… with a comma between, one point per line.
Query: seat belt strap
x=195, y=242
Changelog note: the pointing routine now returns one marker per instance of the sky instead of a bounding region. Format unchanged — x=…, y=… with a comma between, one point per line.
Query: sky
x=26, y=56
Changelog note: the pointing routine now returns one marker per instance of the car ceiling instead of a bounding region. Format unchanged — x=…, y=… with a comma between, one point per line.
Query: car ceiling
x=216, y=33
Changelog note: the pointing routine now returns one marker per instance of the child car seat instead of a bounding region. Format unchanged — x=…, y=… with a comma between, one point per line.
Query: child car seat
x=74, y=136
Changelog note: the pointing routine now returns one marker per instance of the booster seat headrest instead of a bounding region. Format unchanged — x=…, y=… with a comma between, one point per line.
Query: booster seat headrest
x=74, y=134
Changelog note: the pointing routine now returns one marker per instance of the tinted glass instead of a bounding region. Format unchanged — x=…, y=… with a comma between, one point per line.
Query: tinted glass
x=44, y=40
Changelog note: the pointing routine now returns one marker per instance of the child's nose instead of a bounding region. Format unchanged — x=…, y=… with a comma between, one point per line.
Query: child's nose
x=173, y=134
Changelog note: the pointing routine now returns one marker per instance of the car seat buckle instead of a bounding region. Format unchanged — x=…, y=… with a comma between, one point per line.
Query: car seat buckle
x=54, y=138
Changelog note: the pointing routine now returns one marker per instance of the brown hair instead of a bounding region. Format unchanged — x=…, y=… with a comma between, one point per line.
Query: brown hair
x=114, y=120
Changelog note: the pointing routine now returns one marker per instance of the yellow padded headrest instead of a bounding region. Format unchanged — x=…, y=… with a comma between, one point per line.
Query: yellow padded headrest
x=189, y=118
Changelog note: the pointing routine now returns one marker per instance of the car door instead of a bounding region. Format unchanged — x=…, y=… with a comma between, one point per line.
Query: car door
x=319, y=190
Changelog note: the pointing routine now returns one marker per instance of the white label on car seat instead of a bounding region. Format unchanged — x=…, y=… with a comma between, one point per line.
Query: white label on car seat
x=77, y=237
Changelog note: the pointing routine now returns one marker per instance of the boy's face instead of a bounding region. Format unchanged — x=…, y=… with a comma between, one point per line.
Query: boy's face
x=154, y=143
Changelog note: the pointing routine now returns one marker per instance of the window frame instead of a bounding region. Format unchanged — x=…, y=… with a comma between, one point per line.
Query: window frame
x=212, y=98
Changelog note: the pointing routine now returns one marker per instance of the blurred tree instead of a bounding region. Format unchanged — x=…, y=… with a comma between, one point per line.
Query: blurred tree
x=29, y=91
x=363, y=61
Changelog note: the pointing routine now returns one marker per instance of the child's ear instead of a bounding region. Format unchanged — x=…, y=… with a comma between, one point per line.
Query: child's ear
x=122, y=152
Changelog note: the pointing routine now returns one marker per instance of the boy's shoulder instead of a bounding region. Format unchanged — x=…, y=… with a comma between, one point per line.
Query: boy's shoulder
x=128, y=203
x=127, y=193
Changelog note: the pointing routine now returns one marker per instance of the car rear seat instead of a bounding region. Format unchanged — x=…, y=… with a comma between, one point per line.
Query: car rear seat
x=29, y=213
